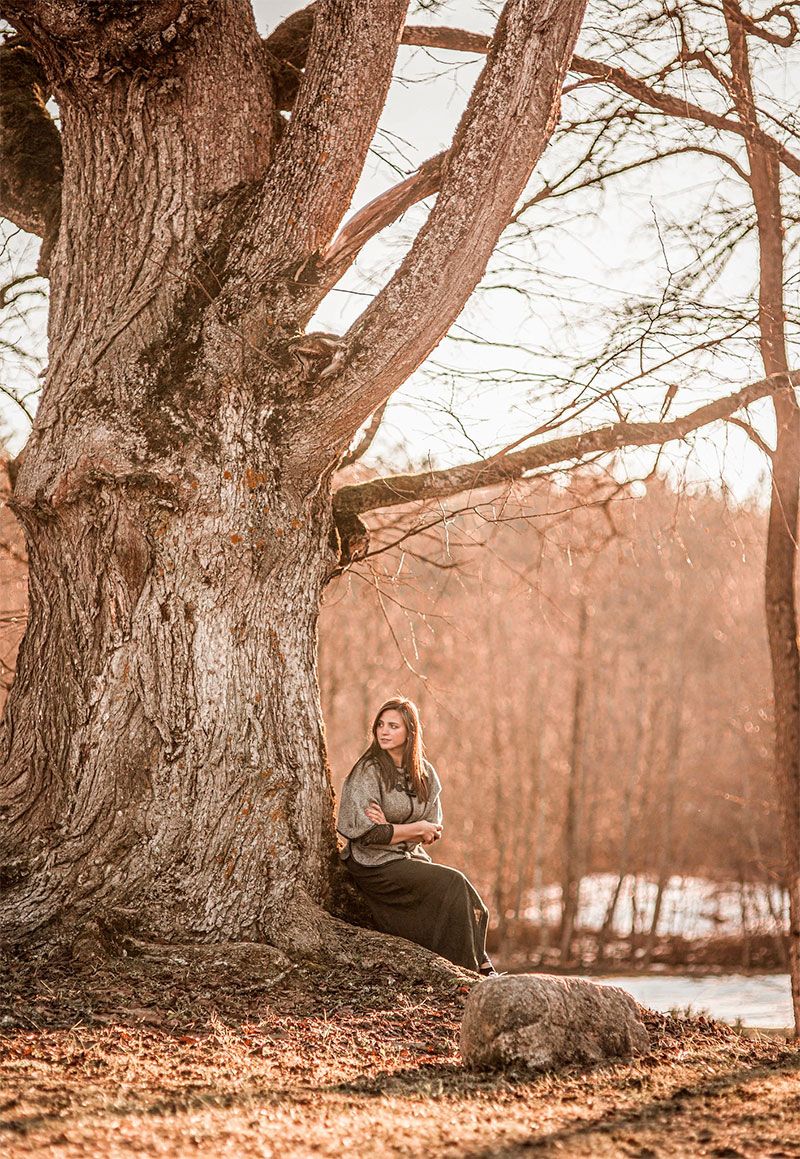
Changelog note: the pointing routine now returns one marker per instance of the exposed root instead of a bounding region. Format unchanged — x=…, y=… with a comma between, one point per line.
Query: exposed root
x=315, y=934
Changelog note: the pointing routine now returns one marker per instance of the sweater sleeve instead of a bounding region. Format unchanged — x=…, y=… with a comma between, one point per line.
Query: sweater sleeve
x=433, y=807
x=378, y=835
x=361, y=786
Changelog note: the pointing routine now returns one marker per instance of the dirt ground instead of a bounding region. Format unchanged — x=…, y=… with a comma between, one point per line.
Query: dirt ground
x=210, y=1056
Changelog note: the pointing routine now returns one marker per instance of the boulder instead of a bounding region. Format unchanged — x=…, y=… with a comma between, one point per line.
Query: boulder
x=542, y=1022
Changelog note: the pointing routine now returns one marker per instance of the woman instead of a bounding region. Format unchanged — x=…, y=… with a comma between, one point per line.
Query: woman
x=389, y=810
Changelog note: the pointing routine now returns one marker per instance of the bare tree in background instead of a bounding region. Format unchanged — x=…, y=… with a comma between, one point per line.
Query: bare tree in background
x=571, y=880
x=708, y=50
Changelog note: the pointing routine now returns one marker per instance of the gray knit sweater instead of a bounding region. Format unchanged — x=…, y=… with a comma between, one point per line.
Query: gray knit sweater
x=400, y=807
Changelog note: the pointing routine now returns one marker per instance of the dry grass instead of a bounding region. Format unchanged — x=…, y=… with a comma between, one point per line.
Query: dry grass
x=228, y=1052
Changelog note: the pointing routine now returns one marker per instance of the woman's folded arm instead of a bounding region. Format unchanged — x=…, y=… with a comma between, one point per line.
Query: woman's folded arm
x=387, y=834
x=379, y=835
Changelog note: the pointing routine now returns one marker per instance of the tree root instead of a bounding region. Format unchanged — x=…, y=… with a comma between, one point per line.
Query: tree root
x=312, y=943
x=314, y=934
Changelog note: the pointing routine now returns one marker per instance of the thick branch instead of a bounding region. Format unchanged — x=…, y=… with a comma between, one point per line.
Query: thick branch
x=678, y=107
x=30, y=145
x=454, y=39
x=366, y=440
x=505, y=128
x=286, y=49
x=376, y=215
x=348, y=70
x=505, y=467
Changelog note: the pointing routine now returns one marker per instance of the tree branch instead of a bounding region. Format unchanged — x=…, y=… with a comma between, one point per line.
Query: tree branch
x=453, y=39
x=505, y=467
x=286, y=49
x=347, y=74
x=753, y=435
x=755, y=26
x=556, y=190
x=366, y=440
x=673, y=106
x=30, y=146
x=375, y=216
x=459, y=40
x=503, y=132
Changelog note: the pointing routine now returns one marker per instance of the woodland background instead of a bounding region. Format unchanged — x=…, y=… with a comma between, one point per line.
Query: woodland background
x=595, y=676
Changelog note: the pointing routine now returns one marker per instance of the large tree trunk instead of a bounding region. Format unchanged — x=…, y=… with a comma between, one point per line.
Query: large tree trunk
x=164, y=748
x=165, y=741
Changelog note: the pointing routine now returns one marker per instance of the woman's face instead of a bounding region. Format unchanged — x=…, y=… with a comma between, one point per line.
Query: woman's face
x=391, y=731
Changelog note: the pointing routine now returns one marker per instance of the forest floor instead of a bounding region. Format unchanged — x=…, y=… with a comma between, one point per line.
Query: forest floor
x=207, y=1057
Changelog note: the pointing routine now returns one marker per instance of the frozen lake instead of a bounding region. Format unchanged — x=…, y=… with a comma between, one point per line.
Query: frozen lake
x=762, y=1000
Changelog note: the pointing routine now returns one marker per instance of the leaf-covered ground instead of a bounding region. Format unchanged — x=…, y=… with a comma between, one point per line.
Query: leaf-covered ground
x=213, y=1054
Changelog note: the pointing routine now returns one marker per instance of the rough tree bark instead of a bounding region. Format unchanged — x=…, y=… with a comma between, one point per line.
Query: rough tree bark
x=164, y=758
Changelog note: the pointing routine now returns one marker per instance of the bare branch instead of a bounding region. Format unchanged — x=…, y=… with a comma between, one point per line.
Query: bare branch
x=459, y=40
x=453, y=39
x=502, y=467
x=756, y=25
x=503, y=132
x=556, y=190
x=320, y=158
x=752, y=434
x=366, y=440
x=286, y=49
x=673, y=106
x=375, y=216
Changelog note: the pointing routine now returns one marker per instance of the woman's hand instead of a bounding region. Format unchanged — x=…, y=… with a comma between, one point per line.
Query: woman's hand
x=429, y=832
x=375, y=813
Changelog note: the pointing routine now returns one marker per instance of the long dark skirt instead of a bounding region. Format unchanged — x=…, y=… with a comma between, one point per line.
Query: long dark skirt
x=429, y=904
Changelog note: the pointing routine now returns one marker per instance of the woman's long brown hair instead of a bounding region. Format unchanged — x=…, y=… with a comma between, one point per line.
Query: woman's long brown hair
x=413, y=750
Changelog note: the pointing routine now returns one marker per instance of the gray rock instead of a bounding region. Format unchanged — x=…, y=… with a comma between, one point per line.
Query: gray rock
x=542, y=1022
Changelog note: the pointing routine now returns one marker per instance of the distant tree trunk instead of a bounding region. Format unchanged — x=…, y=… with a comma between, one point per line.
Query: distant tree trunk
x=498, y=781
x=671, y=768
x=744, y=921
x=758, y=857
x=570, y=882
x=626, y=824
x=538, y=872
x=588, y=786
x=636, y=918
x=776, y=915
x=531, y=816
x=780, y=600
